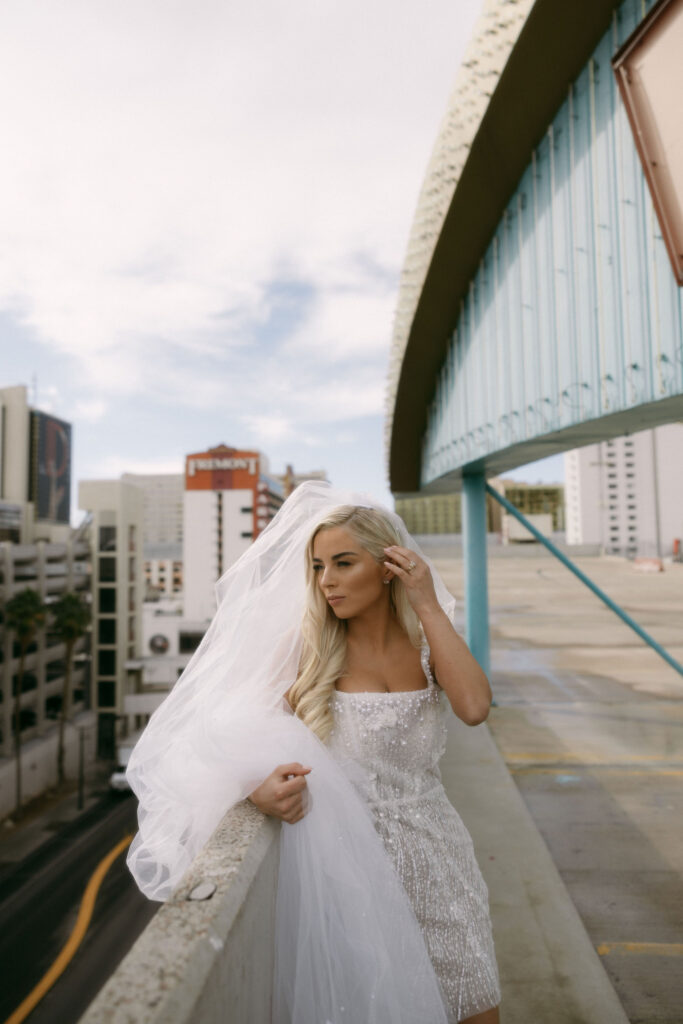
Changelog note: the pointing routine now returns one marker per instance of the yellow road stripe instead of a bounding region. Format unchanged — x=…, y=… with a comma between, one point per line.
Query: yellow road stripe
x=644, y=948
x=588, y=757
x=603, y=769
x=82, y=921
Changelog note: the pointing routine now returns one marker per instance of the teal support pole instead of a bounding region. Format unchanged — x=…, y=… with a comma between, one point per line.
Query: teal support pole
x=476, y=578
x=624, y=616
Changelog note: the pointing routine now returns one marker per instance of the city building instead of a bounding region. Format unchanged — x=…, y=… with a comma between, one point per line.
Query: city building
x=229, y=498
x=115, y=510
x=442, y=513
x=290, y=480
x=51, y=570
x=429, y=513
x=162, y=540
x=535, y=499
x=626, y=494
x=35, y=471
x=39, y=551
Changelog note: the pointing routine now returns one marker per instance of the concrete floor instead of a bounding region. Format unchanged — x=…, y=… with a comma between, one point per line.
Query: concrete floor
x=590, y=723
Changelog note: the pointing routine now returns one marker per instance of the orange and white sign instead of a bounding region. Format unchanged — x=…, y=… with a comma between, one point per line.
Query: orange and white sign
x=222, y=469
x=227, y=469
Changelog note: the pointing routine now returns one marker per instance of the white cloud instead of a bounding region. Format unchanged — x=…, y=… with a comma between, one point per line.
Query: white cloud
x=166, y=163
x=90, y=410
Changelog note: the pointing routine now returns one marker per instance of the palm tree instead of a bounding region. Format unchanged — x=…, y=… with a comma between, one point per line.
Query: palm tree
x=25, y=613
x=71, y=620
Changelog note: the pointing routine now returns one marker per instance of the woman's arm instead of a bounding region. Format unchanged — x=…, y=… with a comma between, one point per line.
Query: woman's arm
x=457, y=671
x=282, y=794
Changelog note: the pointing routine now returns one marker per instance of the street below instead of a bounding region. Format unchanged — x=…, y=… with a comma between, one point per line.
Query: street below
x=39, y=903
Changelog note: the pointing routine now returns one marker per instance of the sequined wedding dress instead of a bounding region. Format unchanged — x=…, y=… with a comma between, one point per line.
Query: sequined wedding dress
x=390, y=745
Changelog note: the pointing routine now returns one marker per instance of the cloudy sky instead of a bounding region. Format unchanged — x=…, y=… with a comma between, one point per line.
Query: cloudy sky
x=204, y=208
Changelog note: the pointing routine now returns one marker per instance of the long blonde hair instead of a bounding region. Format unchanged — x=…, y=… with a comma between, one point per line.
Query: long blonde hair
x=323, y=657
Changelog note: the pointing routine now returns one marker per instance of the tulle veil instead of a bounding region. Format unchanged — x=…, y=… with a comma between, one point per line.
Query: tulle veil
x=348, y=946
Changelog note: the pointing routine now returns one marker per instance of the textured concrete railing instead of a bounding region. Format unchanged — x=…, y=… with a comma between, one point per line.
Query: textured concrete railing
x=208, y=961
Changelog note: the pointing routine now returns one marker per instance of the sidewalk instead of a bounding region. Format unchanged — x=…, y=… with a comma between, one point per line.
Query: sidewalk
x=549, y=970
x=47, y=816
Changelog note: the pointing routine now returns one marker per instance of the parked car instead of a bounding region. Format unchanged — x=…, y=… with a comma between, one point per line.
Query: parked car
x=118, y=780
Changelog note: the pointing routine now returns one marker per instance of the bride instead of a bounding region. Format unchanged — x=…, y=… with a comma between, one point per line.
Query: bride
x=331, y=657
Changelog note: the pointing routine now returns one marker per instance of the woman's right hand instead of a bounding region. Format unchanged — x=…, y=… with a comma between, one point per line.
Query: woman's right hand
x=283, y=794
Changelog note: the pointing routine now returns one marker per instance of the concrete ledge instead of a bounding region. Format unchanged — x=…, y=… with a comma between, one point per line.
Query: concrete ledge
x=212, y=961
x=549, y=970
x=209, y=961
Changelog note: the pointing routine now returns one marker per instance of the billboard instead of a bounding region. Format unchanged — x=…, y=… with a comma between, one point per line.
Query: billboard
x=50, y=468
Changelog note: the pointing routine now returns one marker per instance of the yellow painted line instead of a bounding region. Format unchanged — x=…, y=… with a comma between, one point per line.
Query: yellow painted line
x=603, y=770
x=588, y=758
x=82, y=921
x=644, y=948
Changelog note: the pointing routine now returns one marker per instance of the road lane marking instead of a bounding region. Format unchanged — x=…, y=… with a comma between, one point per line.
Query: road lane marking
x=587, y=757
x=85, y=912
x=643, y=948
x=602, y=769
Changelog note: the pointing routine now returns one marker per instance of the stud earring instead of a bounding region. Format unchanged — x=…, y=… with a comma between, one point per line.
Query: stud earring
x=386, y=582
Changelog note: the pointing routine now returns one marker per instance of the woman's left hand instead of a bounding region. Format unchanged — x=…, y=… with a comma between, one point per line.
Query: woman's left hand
x=415, y=575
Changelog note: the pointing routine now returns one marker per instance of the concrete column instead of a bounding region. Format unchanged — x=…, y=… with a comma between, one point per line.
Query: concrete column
x=476, y=580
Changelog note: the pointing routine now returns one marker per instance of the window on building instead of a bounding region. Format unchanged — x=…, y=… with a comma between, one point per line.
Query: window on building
x=106, y=663
x=131, y=538
x=246, y=508
x=107, y=570
x=106, y=694
x=107, y=600
x=106, y=631
x=189, y=642
x=107, y=538
x=247, y=533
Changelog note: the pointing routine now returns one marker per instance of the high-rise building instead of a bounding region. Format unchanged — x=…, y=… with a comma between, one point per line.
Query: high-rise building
x=229, y=499
x=290, y=479
x=162, y=538
x=39, y=551
x=163, y=507
x=116, y=511
x=35, y=471
x=627, y=494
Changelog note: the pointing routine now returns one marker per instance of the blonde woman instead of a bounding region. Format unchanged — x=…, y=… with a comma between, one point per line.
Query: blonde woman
x=379, y=653
x=319, y=691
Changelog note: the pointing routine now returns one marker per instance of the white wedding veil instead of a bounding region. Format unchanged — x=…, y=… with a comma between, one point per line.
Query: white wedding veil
x=348, y=947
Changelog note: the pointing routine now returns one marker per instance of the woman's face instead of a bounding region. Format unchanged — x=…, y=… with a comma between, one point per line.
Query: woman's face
x=347, y=574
